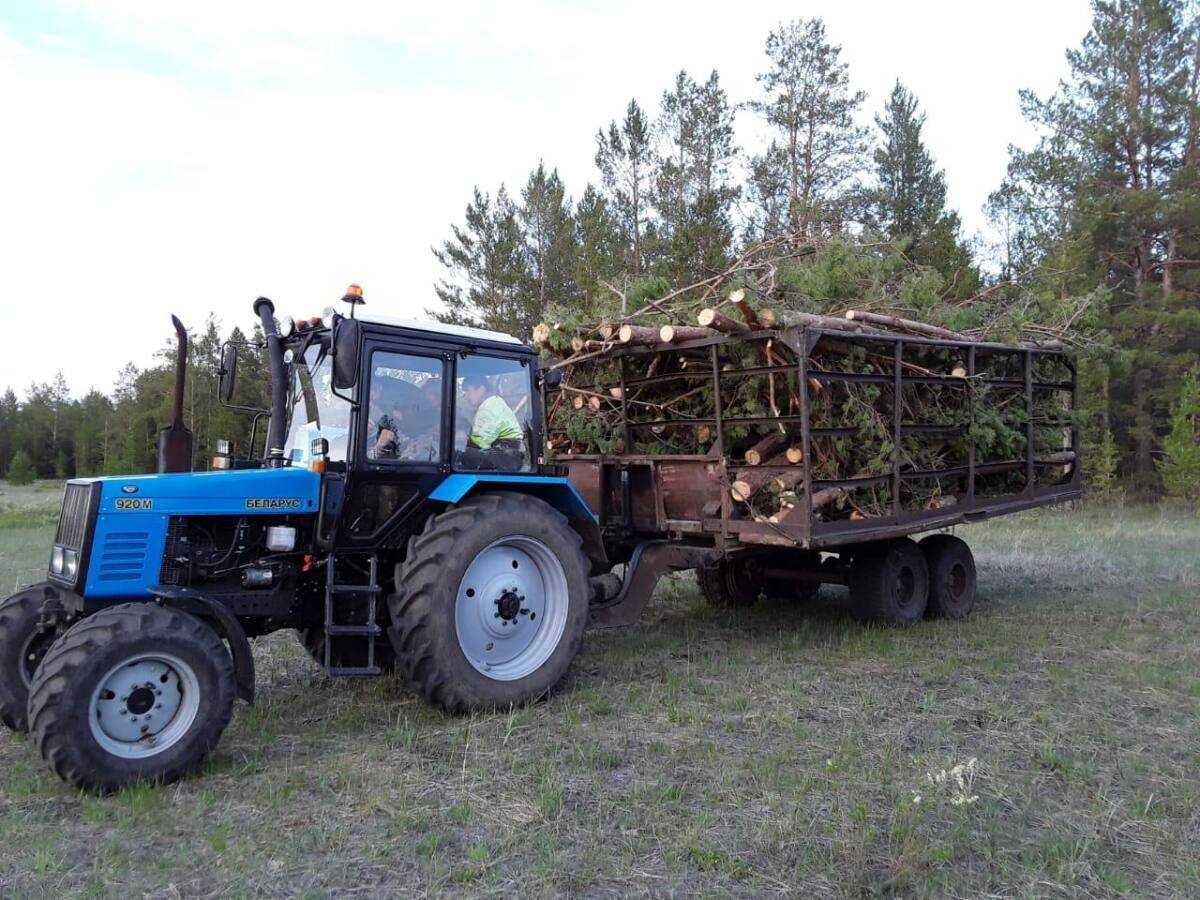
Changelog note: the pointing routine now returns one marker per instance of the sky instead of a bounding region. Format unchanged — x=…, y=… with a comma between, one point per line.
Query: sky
x=167, y=157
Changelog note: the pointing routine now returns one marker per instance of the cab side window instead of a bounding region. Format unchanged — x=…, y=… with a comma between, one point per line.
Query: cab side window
x=493, y=415
x=404, y=412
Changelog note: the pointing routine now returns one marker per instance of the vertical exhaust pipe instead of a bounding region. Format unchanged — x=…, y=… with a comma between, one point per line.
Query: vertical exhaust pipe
x=265, y=310
x=175, y=441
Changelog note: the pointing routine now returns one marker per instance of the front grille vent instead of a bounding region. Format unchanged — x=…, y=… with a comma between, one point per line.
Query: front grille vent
x=123, y=555
x=73, y=522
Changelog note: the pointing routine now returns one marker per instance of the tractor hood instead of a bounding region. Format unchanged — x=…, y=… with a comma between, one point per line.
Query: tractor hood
x=237, y=492
x=121, y=534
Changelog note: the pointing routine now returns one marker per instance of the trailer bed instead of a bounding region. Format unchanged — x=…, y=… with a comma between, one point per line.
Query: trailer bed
x=687, y=497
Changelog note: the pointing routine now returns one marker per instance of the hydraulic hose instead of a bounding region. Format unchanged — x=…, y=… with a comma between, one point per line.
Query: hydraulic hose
x=265, y=310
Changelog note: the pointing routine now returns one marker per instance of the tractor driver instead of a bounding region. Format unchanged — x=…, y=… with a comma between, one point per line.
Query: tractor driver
x=404, y=419
x=495, y=440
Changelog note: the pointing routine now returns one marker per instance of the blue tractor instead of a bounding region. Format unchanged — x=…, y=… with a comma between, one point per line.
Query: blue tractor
x=398, y=518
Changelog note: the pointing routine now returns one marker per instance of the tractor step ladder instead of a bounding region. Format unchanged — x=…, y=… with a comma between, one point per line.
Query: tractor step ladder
x=370, y=630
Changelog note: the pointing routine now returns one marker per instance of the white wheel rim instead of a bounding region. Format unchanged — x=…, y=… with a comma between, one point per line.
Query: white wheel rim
x=145, y=705
x=510, y=612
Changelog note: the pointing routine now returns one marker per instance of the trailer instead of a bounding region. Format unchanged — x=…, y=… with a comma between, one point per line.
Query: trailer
x=675, y=511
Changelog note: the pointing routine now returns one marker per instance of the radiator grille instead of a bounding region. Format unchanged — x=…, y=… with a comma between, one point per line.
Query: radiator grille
x=73, y=522
x=122, y=555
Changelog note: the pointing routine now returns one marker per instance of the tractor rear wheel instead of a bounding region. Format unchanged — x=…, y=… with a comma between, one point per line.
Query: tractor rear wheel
x=890, y=583
x=136, y=692
x=491, y=603
x=951, y=576
x=23, y=643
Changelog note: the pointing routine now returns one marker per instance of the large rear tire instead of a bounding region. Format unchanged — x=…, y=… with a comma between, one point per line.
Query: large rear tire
x=951, y=576
x=23, y=643
x=136, y=692
x=890, y=583
x=491, y=603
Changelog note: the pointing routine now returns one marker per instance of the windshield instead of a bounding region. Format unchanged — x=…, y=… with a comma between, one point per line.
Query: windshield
x=316, y=412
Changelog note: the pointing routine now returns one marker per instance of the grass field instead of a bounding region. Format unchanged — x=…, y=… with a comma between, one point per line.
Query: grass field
x=1048, y=745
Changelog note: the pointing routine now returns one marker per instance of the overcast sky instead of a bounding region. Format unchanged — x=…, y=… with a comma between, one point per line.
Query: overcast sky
x=165, y=157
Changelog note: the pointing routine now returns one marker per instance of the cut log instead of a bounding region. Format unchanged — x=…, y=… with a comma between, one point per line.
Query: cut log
x=637, y=334
x=703, y=434
x=577, y=344
x=607, y=331
x=1057, y=459
x=616, y=393
x=831, y=323
x=749, y=316
x=959, y=372
x=594, y=404
x=795, y=455
x=855, y=315
x=751, y=483
x=670, y=333
x=541, y=333
x=765, y=448
x=766, y=318
x=711, y=318
x=577, y=401
x=825, y=497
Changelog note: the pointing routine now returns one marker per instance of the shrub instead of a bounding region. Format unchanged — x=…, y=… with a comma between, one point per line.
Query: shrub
x=20, y=469
x=1100, y=466
x=1180, y=463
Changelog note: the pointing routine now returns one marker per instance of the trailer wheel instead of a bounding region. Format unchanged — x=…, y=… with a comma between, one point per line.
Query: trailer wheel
x=951, y=576
x=23, y=643
x=349, y=651
x=727, y=583
x=890, y=583
x=136, y=692
x=491, y=603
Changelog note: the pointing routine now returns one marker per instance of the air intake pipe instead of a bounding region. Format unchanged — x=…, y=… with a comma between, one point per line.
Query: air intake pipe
x=265, y=310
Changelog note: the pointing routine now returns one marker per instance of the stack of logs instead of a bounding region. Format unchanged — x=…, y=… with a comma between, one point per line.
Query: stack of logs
x=764, y=462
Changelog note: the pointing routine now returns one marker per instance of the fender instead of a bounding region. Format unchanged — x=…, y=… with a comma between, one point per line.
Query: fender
x=227, y=626
x=555, y=490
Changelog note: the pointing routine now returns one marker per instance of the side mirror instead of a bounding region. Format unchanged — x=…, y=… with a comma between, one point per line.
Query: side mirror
x=228, y=372
x=345, y=354
x=552, y=378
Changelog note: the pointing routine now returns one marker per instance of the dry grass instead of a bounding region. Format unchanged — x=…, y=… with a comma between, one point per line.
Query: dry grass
x=765, y=750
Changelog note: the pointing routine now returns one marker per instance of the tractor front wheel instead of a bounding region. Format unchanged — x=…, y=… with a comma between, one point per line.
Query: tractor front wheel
x=23, y=643
x=136, y=692
x=491, y=603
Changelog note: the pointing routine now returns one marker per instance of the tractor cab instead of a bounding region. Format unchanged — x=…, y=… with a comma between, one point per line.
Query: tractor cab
x=386, y=409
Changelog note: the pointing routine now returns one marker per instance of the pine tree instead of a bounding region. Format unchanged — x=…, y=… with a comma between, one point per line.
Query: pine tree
x=21, y=469
x=911, y=196
x=487, y=274
x=693, y=189
x=550, y=239
x=9, y=410
x=624, y=156
x=598, y=243
x=817, y=147
x=1110, y=195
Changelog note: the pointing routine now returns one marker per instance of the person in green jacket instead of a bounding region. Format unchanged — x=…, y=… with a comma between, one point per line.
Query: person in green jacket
x=495, y=429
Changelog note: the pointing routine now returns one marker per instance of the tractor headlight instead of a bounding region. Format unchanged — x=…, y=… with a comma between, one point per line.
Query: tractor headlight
x=57, y=560
x=71, y=563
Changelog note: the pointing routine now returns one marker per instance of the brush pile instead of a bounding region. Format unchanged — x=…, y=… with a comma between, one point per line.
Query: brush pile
x=635, y=382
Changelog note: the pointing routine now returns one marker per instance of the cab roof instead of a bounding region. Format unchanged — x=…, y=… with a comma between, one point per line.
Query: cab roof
x=456, y=331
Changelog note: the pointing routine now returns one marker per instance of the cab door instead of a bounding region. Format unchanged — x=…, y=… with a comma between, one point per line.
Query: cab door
x=400, y=443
